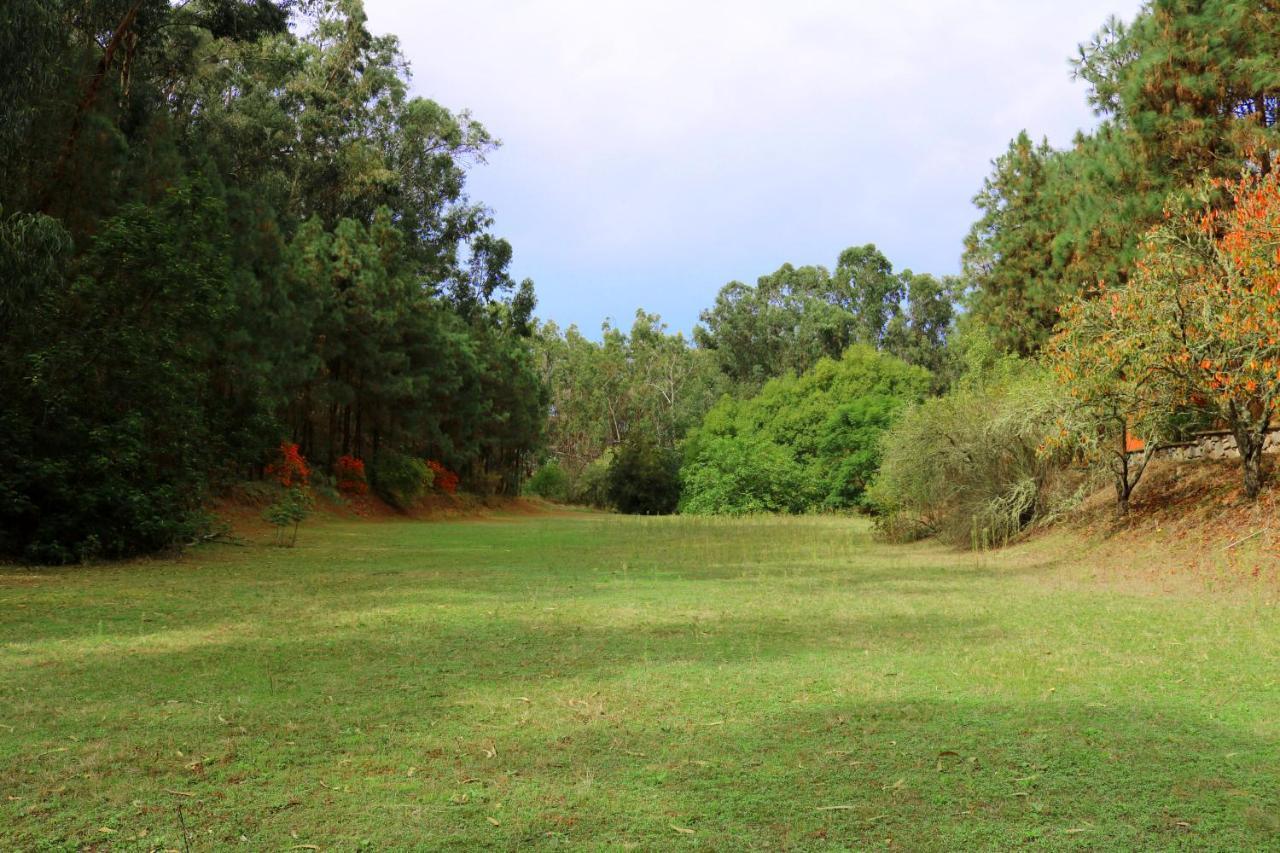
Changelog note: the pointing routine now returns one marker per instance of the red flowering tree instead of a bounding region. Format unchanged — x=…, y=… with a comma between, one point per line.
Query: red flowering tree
x=444, y=479
x=290, y=469
x=292, y=472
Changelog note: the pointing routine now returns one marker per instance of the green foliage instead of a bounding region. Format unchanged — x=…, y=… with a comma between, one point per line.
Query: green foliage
x=647, y=380
x=803, y=443
x=730, y=475
x=550, y=481
x=591, y=486
x=287, y=513
x=400, y=480
x=107, y=417
x=1009, y=250
x=222, y=224
x=970, y=467
x=796, y=316
x=644, y=478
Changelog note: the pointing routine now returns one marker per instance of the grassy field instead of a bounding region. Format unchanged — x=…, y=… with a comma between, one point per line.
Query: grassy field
x=621, y=683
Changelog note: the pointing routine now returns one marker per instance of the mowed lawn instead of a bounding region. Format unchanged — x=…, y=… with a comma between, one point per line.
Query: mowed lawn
x=604, y=682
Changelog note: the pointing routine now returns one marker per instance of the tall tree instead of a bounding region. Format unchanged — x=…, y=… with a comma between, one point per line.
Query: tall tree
x=1189, y=88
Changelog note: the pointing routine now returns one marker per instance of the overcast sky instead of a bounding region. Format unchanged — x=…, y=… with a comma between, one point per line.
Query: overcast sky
x=654, y=151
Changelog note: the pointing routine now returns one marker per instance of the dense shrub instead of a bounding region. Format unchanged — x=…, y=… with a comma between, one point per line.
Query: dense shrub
x=290, y=466
x=734, y=476
x=803, y=443
x=970, y=467
x=591, y=488
x=443, y=479
x=550, y=482
x=644, y=479
x=400, y=480
x=351, y=476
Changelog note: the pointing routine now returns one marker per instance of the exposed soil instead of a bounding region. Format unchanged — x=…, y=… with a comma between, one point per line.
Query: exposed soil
x=1188, y=523
x=241, y=511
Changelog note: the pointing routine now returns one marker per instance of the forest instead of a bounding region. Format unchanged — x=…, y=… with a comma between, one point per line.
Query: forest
x=235, y=249
x=319, y=532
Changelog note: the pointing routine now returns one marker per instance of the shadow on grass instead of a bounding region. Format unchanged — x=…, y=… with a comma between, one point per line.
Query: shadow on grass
x=955, y=774
x=410, y=651
x=132, y=604
x=952, y=775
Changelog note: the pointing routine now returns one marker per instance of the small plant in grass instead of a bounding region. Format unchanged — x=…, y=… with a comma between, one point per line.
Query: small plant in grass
x=291, y=471
x=288, y=513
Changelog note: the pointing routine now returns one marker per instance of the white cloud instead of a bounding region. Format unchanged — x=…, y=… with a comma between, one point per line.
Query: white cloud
x=653, y=151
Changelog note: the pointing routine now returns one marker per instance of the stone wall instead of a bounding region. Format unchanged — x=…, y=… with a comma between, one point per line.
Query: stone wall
x=1217, y=444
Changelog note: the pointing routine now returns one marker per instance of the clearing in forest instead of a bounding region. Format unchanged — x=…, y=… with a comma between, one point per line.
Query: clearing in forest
x=612, y=682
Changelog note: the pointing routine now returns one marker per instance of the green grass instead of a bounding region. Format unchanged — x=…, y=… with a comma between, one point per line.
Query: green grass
x=617, y=683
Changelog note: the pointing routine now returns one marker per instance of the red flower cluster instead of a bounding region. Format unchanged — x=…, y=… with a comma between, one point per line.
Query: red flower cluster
x=444, y=479
x=292, y=468
x=351, y=477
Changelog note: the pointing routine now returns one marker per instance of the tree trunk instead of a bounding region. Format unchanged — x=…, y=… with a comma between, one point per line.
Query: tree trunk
x=1249, y=444
x=1252, y=462
x=358, y=438
x=333, y=429
x=1123, y=490
x=87, y=101
x=346, y=430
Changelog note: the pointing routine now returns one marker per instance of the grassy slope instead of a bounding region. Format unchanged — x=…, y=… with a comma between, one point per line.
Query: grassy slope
x=630, y=683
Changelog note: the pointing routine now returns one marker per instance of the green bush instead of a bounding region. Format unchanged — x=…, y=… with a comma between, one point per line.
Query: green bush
x=591, y=487
x=803, y=443
x=400, y=480
x=644, y=479
x=733, y=476
x=969, y=467
x=549, y=482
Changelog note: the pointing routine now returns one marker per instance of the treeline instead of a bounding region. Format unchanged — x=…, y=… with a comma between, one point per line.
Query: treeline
x=777, y=403
x=230, y=241
x=225, y=224
x=1130, y=282
x=1190, y=89
x=1115, y=295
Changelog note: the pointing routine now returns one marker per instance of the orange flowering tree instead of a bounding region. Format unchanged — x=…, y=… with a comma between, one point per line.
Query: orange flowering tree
x=1198, y=322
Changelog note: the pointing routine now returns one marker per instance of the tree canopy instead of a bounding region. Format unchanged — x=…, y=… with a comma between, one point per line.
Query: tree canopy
x=230, y=224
